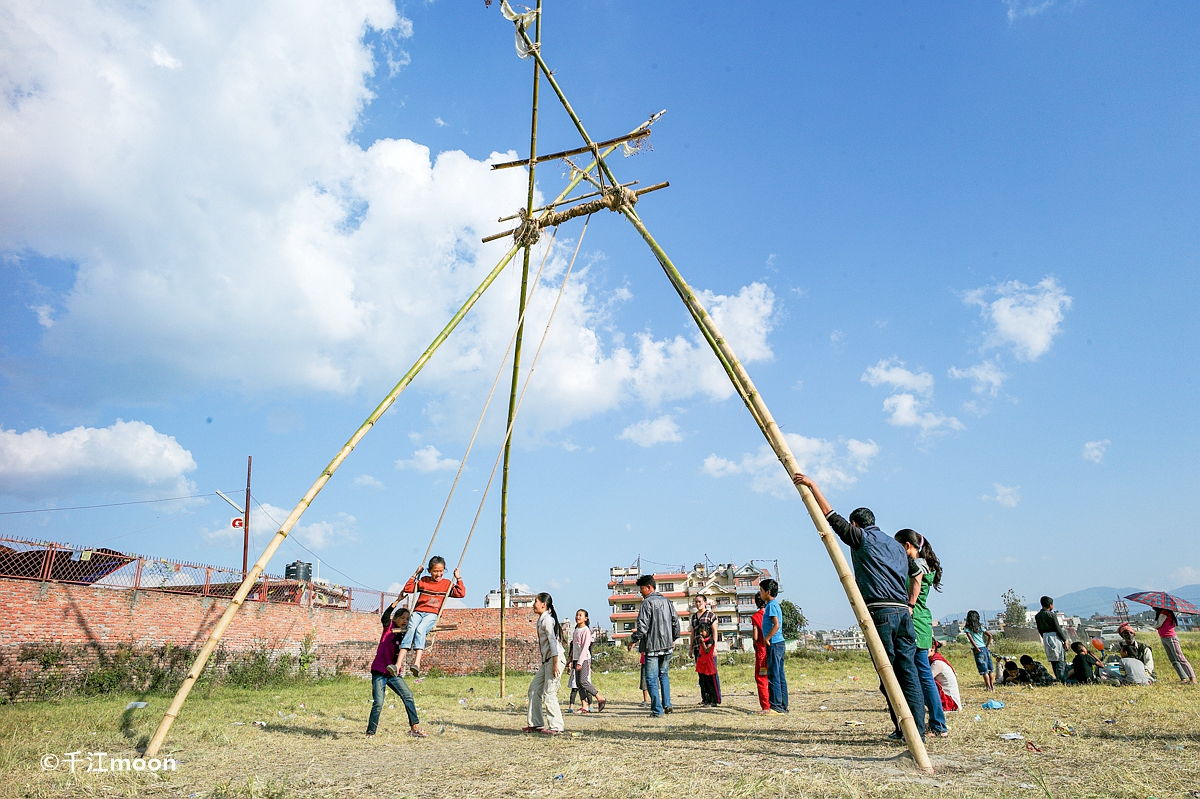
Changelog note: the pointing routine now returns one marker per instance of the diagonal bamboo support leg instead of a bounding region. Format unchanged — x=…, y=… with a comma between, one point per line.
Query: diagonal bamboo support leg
x=775, y=438
x=260, y=565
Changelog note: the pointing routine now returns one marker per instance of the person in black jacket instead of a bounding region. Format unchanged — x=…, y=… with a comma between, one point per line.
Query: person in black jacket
x=1054, y=638
x=1083, y=667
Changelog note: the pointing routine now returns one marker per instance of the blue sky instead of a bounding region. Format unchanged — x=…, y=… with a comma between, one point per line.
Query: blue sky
x=955, y=245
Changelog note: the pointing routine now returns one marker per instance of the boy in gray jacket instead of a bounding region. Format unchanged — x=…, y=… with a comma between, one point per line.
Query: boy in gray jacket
x=656, y=633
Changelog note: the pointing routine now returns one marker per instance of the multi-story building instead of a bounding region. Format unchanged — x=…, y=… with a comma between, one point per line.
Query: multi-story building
x=729, y=589
x=515, y=599
x=841, y=640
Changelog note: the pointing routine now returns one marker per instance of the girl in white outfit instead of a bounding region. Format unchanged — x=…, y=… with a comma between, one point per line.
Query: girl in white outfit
x=544, y=688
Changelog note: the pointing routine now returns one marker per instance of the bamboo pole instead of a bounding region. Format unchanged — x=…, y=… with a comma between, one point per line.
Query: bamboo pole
x=261, y=564
x=516, y=371
x=883, y=666
x=762, y=416
x=533, y=158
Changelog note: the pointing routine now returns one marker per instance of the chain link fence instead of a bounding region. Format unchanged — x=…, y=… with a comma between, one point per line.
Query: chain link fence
x=100, y=567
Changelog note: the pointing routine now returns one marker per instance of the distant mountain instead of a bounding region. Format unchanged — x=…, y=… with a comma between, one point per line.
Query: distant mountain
x=1189, y=592
x=962, y=615
x=1090, y=601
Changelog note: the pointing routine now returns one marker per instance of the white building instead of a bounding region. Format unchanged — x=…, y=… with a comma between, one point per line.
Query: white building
x=515, y=599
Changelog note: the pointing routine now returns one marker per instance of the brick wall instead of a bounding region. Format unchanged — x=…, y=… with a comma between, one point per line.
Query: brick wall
x=82, y=623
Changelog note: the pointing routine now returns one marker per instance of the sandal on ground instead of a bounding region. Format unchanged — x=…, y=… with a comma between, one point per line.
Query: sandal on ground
x=418, y=733
x=548, y=731
x=531, y=729
x=600, y=703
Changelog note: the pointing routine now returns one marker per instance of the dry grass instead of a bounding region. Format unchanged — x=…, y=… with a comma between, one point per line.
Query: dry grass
x=1149, y=749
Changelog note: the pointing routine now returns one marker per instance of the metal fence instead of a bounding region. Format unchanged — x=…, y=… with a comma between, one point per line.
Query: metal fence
x=103, y=568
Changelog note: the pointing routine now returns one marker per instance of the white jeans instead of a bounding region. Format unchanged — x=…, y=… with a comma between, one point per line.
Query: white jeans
x=544, y=690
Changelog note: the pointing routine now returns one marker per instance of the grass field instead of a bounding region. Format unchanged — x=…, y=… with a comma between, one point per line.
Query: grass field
x=1128, y=742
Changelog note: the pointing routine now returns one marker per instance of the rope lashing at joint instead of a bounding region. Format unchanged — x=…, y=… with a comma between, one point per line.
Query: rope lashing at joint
x=528, y=232
x=614, y=198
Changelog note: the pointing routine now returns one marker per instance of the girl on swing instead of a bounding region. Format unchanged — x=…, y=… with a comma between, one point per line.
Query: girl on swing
x=431, y=592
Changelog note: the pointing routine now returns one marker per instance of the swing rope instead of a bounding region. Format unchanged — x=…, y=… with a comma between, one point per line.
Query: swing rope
x=516, y=410
x=463, y=463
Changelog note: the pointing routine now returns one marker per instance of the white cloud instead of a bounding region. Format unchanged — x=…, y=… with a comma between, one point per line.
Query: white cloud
x=1094, y=451
x=227, y=231
x=428, y=459
x=831, y=468
x=45, y=315
x=266, y=518
x=1026, y=8
x=162, y=58
x=367, y=480
x=892, y=372
x=1007, y=496
x=439, y=122
x=904, y=406
x=908, y=411
x=649, y=432
x=127, y=457
x=987, y=376
x=520, y=588
x=318, y=535
x=1185, y=575
x=1025, y=318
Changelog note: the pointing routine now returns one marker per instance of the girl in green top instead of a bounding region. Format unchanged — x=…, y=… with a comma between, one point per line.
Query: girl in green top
x=929, y=576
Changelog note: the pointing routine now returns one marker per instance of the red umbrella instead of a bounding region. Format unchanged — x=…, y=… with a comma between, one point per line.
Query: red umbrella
x=1161, y=599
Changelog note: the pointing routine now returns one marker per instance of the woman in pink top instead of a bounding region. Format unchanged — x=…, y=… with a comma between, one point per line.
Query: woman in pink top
x=581, y=663
x=1165, y=622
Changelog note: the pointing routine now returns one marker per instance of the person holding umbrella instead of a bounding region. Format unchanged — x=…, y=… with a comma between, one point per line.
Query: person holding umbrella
x=1165, y=607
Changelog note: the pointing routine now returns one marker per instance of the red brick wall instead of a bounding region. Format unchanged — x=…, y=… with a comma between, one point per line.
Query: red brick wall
x=87, y=620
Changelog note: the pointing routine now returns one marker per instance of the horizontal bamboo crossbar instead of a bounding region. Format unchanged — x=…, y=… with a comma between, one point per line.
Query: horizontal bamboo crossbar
x=637, y=134
x=608, y=200
x=511, y=217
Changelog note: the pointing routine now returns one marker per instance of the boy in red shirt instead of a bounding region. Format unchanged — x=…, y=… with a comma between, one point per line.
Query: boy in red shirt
x=431, y=592
x=760, y=657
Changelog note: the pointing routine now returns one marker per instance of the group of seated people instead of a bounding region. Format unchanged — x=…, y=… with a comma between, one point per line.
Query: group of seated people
x=1132, y=664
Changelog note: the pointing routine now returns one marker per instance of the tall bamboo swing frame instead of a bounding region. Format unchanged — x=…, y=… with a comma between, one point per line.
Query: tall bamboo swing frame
x=709, y=330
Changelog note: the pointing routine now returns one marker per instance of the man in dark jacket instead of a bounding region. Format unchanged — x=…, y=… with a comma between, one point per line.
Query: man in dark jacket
x=656, y=633
x=881, y=569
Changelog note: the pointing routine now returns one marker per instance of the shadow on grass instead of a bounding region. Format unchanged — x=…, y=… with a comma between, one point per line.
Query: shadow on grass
x=702, y=737
x=310, y=732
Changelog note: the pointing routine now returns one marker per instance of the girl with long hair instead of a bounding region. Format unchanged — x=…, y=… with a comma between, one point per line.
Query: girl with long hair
x=581, y=664
x=980, y=640
x=544, y=688
x=929, y=576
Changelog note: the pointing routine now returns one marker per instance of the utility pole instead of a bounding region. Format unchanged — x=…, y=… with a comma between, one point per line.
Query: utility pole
x=246, y=521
